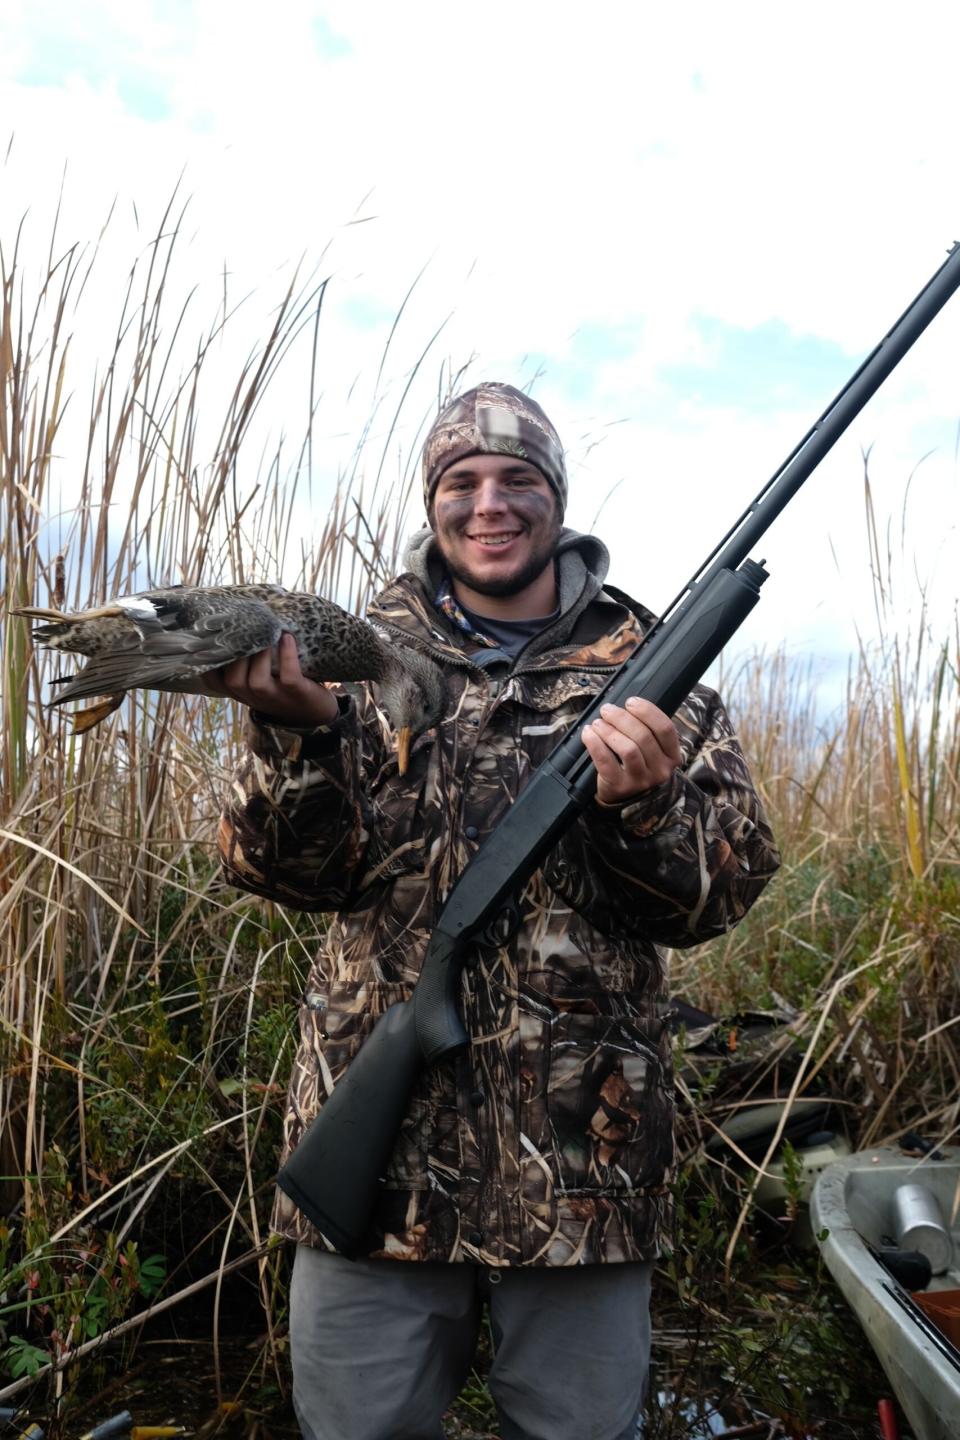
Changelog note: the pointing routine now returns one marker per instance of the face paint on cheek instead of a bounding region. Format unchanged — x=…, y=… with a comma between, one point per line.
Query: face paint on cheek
x=534, y=506
x=455, y=511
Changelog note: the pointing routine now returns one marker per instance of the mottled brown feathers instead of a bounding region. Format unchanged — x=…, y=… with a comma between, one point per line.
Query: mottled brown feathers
x=168, y=639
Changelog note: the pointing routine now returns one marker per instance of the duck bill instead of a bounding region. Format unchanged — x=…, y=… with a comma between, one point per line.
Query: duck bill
x=403, y=748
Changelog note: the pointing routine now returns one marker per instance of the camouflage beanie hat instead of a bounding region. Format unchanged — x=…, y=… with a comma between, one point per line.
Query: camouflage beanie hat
x=493, y=419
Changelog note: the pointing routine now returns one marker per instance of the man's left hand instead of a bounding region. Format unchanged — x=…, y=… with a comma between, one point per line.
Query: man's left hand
x=634, y=747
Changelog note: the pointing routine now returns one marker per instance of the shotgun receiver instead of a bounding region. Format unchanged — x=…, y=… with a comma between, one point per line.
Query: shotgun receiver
x=334, y=1175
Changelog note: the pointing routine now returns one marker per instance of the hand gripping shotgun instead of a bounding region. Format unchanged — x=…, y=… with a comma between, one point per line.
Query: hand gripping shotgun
x=335, y=1173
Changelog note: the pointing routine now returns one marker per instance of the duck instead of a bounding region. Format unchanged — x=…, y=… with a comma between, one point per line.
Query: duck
x=169, y=638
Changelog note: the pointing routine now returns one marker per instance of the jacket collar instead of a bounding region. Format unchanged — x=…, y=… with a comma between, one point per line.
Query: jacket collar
x=593, y=629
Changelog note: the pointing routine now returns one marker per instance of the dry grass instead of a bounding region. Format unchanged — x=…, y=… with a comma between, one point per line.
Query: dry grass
x=144, y=1012
x=128, y=974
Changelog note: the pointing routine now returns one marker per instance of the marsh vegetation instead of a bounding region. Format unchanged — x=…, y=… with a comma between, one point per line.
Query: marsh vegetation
x=146, y=1011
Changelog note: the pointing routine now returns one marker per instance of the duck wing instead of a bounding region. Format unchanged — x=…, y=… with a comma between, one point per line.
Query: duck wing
x=164, y=640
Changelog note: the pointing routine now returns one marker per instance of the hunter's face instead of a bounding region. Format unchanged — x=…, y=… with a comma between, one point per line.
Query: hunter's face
x=496, y=521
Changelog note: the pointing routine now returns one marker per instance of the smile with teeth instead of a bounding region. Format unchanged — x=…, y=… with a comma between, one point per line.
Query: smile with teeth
x=500, y=539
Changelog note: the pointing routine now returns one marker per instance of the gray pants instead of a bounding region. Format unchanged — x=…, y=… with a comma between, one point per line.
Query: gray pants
x=381, y=1348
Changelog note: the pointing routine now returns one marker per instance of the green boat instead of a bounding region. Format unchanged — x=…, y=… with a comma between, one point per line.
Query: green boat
x=894, y=1251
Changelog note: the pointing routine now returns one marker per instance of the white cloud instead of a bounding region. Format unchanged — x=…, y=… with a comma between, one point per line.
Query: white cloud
x=624, y=168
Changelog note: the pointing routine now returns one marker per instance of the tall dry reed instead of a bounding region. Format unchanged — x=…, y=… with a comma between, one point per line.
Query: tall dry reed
x=145, y=1009
x=132, y=984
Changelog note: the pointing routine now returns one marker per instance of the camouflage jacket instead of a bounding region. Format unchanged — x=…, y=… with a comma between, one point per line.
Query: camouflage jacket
x=551, y=1141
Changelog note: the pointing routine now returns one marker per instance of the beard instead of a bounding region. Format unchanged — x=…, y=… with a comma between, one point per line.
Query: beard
x=531, y=570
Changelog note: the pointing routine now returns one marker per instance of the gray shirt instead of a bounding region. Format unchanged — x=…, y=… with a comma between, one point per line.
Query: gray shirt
x=511, y=635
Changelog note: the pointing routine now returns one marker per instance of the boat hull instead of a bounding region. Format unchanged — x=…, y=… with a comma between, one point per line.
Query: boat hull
x=852, y=1203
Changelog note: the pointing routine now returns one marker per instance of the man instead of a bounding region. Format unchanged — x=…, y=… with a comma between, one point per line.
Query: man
x=534, y=1172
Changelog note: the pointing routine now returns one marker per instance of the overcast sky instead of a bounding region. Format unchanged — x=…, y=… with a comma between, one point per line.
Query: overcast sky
x=684, y=224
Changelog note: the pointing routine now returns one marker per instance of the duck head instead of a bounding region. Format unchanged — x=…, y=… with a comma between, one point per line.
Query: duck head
x=412, y=693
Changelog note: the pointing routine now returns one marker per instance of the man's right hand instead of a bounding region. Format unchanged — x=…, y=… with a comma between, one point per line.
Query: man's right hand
x=287, y=697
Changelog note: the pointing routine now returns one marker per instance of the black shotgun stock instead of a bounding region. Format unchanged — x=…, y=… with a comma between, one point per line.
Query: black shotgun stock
x=335, y=1173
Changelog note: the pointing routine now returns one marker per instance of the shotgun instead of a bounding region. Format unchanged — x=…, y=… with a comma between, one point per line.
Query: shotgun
x=334, y=1175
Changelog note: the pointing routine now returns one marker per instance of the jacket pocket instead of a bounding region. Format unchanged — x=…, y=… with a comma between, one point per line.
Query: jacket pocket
x=607, y=1105
x=334, y=1023
x=559, y=691
x=397, y=841
x=333, y=1026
